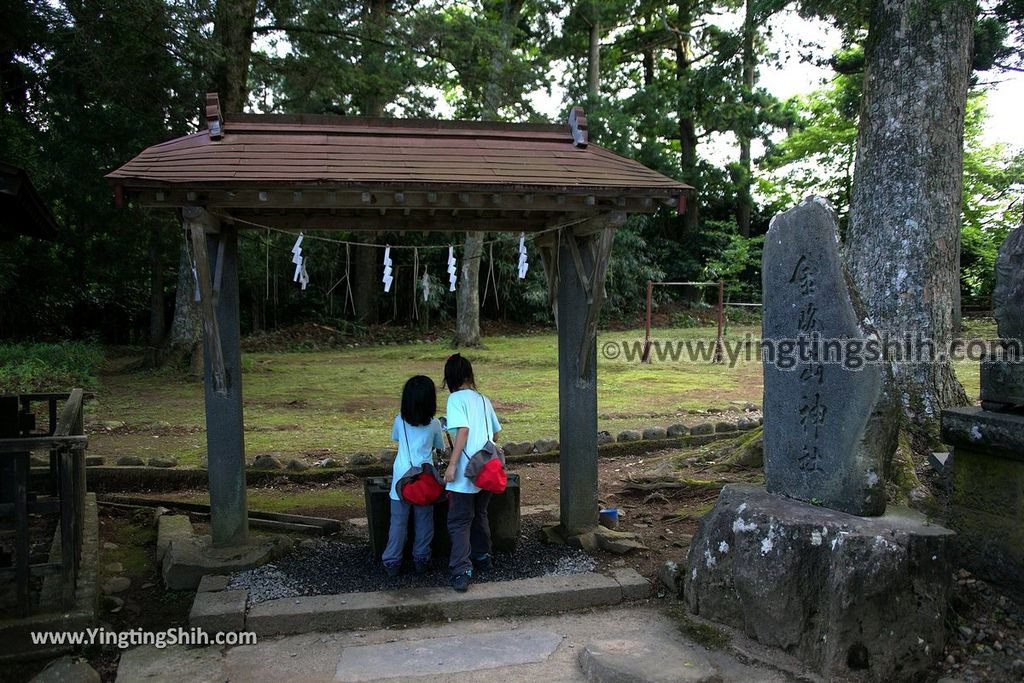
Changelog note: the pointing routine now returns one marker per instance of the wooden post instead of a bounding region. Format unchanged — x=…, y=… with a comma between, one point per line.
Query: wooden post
x=719, y=350
x=580, y=293
x=646, y=357
x=21, y=548
x=225, y=440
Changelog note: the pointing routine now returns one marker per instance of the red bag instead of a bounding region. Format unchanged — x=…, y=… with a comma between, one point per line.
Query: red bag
x=420, y=486
x=486, y=469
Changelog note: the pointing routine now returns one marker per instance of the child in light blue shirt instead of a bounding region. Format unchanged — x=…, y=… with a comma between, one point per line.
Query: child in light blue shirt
x=418, y=433
x=472, y=423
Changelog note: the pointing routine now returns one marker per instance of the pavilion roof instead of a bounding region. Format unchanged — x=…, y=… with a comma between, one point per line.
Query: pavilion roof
x=22, y=211
x=380, y=167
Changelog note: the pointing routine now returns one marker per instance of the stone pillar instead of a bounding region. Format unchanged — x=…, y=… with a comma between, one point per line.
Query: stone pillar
x=225, y=441
x=577, y=398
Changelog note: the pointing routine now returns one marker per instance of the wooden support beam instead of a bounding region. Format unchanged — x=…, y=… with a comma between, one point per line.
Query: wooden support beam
x=196, y=222
x=601, y=255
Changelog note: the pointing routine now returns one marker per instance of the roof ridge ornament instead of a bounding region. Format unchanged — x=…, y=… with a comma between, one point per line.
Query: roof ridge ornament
x=214, y=118
x=578, y=127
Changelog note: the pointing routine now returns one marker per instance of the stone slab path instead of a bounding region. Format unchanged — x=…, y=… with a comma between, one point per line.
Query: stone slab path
x=547, y=648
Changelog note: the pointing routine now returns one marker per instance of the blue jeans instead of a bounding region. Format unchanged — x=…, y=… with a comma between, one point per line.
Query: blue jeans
x=424, y=530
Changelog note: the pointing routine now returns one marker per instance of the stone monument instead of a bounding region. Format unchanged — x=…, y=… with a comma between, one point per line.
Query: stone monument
x=988, y=458
x=812, y=563
x=831, y=425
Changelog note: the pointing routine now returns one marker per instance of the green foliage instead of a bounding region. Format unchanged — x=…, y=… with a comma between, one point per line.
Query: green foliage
x=49, y=367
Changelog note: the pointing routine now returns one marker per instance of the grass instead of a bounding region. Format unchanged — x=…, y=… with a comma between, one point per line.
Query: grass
x=343, y=401
x=31, y=367
x=273, y=500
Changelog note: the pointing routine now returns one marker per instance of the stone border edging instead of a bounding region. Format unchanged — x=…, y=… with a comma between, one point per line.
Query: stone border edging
x=523, y=597
x=118, y=478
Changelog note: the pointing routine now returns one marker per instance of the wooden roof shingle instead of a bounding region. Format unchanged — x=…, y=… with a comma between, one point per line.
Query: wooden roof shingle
x=272, y=151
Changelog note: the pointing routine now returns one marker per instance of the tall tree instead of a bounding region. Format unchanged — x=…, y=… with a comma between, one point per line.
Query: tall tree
x=228, y=75
x=903, y=242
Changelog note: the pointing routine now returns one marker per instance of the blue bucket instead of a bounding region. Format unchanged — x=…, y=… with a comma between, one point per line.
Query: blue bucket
x=608, y=518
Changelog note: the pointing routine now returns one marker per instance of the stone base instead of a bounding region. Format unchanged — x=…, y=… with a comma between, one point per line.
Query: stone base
x=186, y=561
x=988, y=494
x=1002, y=384
x=854, y=598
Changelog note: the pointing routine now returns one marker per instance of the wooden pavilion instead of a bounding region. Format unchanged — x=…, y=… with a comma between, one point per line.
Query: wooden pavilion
x=340, y=173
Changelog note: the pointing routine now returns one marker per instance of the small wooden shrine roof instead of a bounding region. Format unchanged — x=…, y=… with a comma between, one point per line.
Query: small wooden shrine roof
x=389, y=174
x=22, y=211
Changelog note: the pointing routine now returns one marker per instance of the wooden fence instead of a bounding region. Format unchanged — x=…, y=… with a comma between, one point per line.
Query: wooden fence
x=65, y=441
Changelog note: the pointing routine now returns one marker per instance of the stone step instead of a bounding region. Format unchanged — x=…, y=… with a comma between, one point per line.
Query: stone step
x=525, y=597
x=646, y=659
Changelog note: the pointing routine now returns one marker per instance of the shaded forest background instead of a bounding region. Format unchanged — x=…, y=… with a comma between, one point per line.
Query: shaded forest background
x=87, y=85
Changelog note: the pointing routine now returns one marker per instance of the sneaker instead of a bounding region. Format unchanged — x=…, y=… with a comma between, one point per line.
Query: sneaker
x=421, y=567
x=483, y=563
x=461, y=582
x=394, y=571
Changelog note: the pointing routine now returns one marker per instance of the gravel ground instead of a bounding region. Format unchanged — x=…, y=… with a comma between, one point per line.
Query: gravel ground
x=988, y=644
x=328, y=567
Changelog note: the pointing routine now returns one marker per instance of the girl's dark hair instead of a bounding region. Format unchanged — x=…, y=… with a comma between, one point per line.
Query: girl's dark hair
x=458, y=373
x=419, y=401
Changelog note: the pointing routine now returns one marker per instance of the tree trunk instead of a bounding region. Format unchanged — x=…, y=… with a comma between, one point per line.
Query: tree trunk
x=594, y=58
x=903, y=240
x=232, y=37
x=184, y=344
x=687, y=125
x=467, y=319
x=365, y=282
x=232, y=40
x=467, y=315
x=156, y=299
x=744, y=201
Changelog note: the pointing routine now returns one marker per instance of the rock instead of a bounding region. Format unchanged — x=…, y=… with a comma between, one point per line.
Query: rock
x=171, y=529
x=648, y=659
x=745, y=423
x=328, y=463
x=604, y=437
x=92, y=461
x=714, y=411
x=107, y=545
x=129, y=461
x=359, y=522
x=677, y=430
x=387, y=456
x=655, y=433
x=546, y=445
x=723, y=426
x=702, y=428
x=361, y=460
x=159, y=512
x=113, y=568
x=266, y=461
x=211, y=583
x=1008, y=297
x=38, y=461
x=108, y=425
x=296, y=465
x=860, y=598
x=618, y=542
x=629, y=435
x=163, y=462
x=518, y=447
x=67, y=670
x=116, y=584
x=113, y=604
x=671, y=577
x=830, y=427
